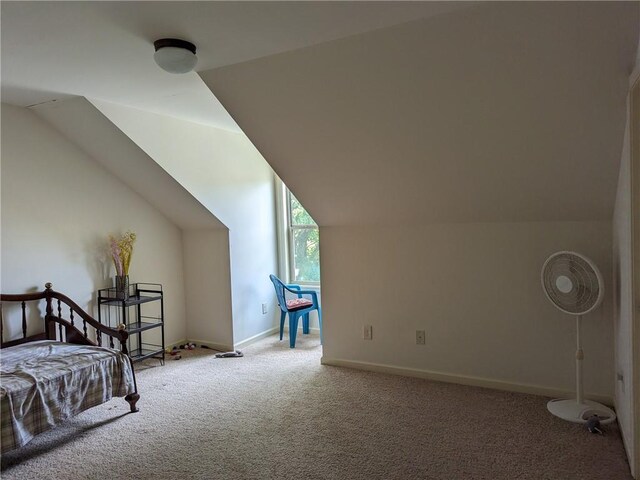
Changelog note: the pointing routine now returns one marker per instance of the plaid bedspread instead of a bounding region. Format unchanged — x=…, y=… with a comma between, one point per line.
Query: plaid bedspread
x=46, y=382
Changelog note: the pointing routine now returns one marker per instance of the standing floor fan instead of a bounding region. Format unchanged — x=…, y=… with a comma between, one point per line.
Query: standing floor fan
x=574, y=285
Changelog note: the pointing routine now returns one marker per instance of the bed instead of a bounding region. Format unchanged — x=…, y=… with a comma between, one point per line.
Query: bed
x=48, y=377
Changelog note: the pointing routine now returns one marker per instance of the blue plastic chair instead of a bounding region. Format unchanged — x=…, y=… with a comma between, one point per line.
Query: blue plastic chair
x=296, y=307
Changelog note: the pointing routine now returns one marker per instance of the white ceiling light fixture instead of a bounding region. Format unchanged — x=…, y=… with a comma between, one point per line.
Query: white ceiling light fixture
x=174, y=55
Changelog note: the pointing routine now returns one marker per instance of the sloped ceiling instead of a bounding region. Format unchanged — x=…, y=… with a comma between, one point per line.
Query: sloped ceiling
x=503, y=112
x=82, y=123
x=104, y=50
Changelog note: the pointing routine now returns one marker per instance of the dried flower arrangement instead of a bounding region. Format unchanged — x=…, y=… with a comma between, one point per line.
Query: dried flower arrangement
x=121, y=250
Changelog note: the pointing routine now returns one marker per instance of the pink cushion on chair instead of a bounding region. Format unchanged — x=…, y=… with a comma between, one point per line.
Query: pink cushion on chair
x=298, y=303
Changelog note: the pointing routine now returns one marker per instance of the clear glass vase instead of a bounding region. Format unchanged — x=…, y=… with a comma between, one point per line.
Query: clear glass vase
x=122, y=287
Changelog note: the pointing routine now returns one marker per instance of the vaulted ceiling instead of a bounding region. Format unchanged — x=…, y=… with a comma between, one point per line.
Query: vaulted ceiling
x=85, y=126
x=500, y=113
x=104, y=50
x=372, y=112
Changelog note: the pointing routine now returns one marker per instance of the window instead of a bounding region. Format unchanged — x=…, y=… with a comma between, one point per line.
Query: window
x=303, y=243
x=298, y=240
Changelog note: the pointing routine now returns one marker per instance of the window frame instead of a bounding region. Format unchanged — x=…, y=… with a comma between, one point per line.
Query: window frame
x=285, y=236
x=291, y=228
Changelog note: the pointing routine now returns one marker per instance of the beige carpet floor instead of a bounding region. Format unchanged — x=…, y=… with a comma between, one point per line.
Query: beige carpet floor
x=278, y=414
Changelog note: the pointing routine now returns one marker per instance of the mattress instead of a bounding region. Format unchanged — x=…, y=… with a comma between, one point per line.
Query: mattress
x=44, y=383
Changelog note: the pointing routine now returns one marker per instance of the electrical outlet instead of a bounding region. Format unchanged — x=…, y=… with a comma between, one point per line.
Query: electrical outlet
x=420, y=337
x=264, y=308
x=367, y=332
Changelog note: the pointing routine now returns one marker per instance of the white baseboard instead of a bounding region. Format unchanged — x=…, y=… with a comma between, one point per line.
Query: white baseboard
x=220, y=347
x=242, y=344
x=175, y=344
x=255, y=338
x=461, y=379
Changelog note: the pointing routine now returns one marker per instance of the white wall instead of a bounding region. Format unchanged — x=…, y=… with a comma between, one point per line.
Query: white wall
x=225, y=172
x=622, y=271
x=428, y=153
x=59, y=206
x=623, y=258
x=505, y=112
x=475, y=289
x=208, y=298
x=85, y=126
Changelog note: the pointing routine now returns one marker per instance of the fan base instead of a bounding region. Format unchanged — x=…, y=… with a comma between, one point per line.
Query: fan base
x=575, y=412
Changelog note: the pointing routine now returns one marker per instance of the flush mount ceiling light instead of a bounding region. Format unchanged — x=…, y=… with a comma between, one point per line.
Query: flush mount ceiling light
x=174, y=55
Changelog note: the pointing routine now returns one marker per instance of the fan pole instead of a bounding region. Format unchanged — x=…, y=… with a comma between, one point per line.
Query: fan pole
x=565, y=277
x=579, y=357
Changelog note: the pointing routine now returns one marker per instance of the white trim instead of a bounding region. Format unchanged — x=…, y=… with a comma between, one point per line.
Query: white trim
x=634, y=165
x=257, y=337
x=284, y=234
x=461, y=379
x=169, y=346
x=281, y=229
x=289, y=229
x=634, y=77
x=220, y=347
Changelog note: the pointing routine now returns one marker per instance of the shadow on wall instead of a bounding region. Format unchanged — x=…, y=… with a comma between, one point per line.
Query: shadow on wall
x=12, y=317
x=98, y=263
